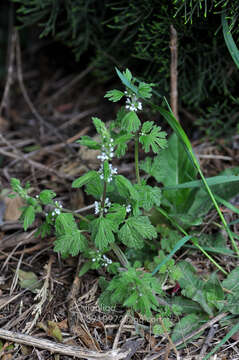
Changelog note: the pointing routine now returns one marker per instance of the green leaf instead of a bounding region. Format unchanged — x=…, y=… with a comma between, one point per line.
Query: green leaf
x=231, y=283
x=95, y=187
x=135, y=230
x=192, y=286
x=135, y=289
x=114, y=95
x=116, y=214
x=120, y=143
x=16, y=184
x=125, y=188
x=148, y=196
x=145, y=90
x=185, y=326
x=151, y=136
x=214, y=291
x=102, y=232
x=85, y=268
x=46, y=196
x=100, y=127
x=70, y=240
x=28, y=216
x=177, y=246
x=130, y=122
x=43, y=230
x=85, y=179
x=187, y=306
x=159, y=330
x=126, y=80
x=127, y=74
x=91, y=144
x=71, y=243
x=152, y=167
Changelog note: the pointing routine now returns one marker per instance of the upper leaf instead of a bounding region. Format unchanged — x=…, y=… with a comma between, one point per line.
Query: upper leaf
x=151, y=136
x=114, y=95
x=145, y=90
x=100, y=127
x=46, y=196
x=130, y=122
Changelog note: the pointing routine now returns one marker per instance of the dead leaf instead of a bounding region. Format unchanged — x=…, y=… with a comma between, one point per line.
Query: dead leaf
x=26, y=350
x=54, y=331
x=28, y=280
x=11, y=207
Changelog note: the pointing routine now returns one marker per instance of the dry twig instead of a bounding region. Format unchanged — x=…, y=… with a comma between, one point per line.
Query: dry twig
x=62, y=349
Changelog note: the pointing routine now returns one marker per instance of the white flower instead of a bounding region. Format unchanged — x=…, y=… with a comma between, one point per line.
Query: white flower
x=97, y=210
x=57, y=211
x=133, y=104
x=128, y=208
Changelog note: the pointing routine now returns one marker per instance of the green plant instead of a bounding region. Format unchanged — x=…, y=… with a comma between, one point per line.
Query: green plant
x=121, y=241
x=120, y=221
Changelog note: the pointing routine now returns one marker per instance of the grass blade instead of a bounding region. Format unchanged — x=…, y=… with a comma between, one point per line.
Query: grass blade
x=179, y=244
x=229, y=40
x=214, y=180
x=169, y=116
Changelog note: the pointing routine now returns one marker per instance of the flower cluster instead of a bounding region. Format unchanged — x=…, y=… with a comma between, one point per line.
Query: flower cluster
x=106, y=155
x=132, y=102
x=57, y=210
x=113, y=171
x=106, y=261
x=128, y=208
x=98, y=208
x=101, y=258
x=107, y=151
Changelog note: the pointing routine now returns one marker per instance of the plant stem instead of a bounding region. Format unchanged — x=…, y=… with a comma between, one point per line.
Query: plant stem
x=120, y=255
x=83, y=218
x=104, y=195
x=136, y=158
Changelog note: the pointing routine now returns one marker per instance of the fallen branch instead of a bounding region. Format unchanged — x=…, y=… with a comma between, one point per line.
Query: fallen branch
x=61, y=348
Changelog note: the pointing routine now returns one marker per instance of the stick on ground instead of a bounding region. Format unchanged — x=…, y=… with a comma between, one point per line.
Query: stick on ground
x=60, y=348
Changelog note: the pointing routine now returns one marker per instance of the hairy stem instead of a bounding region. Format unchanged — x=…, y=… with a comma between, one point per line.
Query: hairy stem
x=120, y=255
x=104, y=195
x=136, y=158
